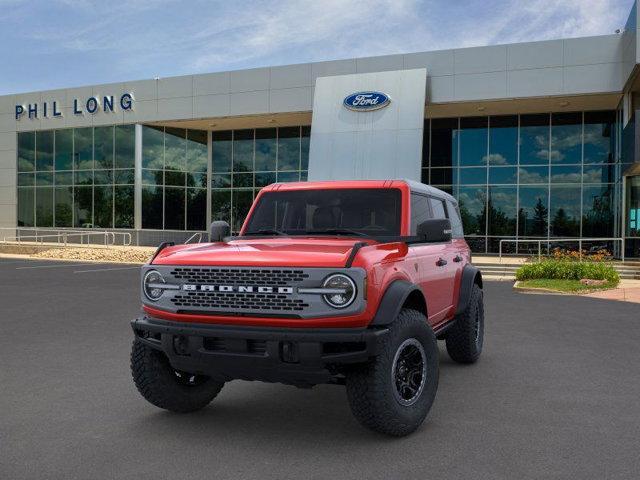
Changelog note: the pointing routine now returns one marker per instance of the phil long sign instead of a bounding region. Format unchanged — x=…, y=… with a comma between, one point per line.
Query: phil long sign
x=91, y=105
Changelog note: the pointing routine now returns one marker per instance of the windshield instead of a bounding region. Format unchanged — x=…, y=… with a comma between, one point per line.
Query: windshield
x=355, y=212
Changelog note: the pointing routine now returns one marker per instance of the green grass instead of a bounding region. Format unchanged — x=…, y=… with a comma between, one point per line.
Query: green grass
x=563, y=285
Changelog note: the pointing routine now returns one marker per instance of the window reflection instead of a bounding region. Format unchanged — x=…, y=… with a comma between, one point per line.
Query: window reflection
x=533, y=212
x=472, y=202
x=565, y=211
x=501, y=211
x=534, y=139
x=503, y=140
x=473, y=141
x=566, y=138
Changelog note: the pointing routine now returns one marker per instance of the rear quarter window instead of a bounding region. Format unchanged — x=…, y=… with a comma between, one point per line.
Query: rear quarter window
x=456, y=221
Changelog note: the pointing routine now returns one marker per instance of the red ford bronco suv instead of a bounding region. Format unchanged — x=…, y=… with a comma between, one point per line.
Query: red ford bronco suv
x=348, y=283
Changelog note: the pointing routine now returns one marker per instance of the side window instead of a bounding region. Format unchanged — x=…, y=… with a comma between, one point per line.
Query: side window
x=456, y=221
x=437, y=206
x=420, y=211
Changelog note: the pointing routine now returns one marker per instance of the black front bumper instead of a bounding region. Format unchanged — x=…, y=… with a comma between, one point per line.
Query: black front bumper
x=297, y=356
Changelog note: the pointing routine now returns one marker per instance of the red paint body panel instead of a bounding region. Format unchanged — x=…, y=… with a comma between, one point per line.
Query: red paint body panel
x=384, y=263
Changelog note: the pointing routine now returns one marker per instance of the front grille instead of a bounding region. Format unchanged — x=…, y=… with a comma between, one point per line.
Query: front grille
x=256, y=302
x=236, y=276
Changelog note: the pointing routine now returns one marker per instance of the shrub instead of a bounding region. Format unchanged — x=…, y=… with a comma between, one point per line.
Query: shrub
x=601, y=255
x=568, y=270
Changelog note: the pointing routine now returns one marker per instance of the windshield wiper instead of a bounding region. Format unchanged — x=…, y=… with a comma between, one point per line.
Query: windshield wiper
x=337, y=231
x=266, y=231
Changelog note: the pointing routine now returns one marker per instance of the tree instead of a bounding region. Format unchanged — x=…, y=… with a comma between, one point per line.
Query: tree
x=540, y=219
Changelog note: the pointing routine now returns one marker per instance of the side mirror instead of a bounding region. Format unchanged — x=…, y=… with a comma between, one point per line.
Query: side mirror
x=435, y=230
x=218, y=230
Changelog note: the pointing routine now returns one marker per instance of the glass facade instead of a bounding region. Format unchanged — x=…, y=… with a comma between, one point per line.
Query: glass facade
x=538, y=176
x=244, y=161
x=174, y=178
x=77, y=177
x=534, y=176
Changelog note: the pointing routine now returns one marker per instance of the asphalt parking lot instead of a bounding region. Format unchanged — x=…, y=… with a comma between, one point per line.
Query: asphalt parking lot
x=555, y=395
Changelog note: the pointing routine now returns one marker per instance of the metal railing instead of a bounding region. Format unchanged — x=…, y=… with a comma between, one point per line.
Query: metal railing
x=549, y=242
x=73, y=237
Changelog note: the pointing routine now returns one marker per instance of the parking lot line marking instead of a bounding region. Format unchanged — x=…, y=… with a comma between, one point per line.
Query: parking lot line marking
x=54, y=266
x=106, y=269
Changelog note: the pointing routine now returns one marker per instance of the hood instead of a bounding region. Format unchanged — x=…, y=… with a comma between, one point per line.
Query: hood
x=274, y=252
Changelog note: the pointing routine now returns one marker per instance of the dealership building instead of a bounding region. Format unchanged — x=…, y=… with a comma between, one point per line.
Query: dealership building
x=537, y=141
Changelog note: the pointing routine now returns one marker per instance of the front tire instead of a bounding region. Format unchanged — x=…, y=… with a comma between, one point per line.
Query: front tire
x=466, y=337
x=165, y=387
x=394, y=392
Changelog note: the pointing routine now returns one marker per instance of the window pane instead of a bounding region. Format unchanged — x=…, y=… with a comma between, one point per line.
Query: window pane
x=64, y=206
x=289, y=148
x=443, y=142
x=103, y=147
x=501, y=175
x=565, y=211
x=174, y=208
x=566, y=174
x=265, y=178
x=221, y=181
x=471, y=202
x=82, y=206
x=124, y=207
x=501, y=210
x=176, y=179
x=473, y=176
x=152, y=177
x=44, y=207
x=533, y=214
x=26, y=151
x=221, y=205
x=566, y=138
x=242, y=180
x=124, y=176
x=221, y=151
x=534, y=175
x=242, y=200
x=64, y=149
x=265, y=149
x=420, y=211
x=304, y=148
x=288, y=176
x=503, y=140
x=243, y=150
x=196, y=209
x=599, y=173
x=44, y=179
x=125, y=151
x=26, y=179
x=152, y=147
x=103, y=177
x=597, y=211
x=175, y=149
x=44, y=150
x=197, y=152
x=83, y=148
x=196, y=179
x=26, y=202
x=83, y=177
x=103, y=207
x=473, y=141
x=442, y=176
x=152, y=207
x=598, y=137
x=534, y=139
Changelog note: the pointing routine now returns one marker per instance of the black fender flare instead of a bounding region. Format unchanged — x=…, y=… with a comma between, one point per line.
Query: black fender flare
x=470, y=275
x=393, y=300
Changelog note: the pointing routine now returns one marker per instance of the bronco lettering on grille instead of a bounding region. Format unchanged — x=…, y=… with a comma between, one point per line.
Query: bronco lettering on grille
x=237, y=289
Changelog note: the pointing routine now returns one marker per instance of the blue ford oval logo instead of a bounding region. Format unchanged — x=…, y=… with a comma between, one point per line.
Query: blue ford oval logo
x=366, y=101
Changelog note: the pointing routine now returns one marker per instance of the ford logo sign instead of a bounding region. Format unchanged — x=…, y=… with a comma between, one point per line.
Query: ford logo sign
x=366, y=101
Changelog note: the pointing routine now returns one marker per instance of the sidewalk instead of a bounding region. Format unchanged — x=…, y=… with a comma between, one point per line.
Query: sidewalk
x=627, y=291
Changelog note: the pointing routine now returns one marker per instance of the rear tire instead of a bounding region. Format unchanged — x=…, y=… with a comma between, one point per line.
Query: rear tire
x=165, y=387
x=394, y=392
x=466, y=337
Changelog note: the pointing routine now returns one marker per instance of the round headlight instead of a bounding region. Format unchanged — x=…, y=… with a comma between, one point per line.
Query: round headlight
x=343, y=291
x=152, y=285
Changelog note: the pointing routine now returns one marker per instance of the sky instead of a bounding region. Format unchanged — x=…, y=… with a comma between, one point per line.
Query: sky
x=48, y=44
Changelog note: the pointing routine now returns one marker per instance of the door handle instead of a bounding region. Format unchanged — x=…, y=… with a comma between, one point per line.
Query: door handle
x=457, y=258
x=441, y=262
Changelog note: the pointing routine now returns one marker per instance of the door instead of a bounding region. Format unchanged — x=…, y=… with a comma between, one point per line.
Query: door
x=433, y=261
